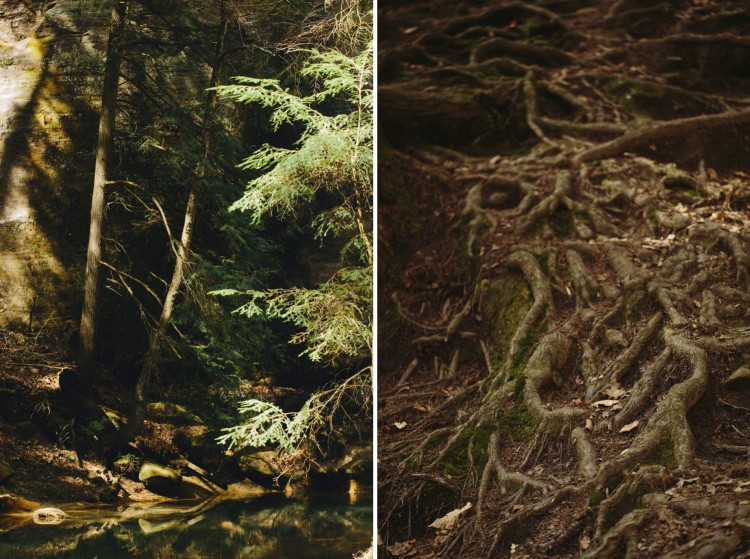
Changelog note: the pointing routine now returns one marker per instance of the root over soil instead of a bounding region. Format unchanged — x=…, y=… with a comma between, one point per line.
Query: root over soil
x=565, y=315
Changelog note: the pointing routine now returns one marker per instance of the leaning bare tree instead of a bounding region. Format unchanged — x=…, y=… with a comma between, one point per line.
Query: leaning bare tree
x=181, y=247
x=564, y=319
x=101, y=172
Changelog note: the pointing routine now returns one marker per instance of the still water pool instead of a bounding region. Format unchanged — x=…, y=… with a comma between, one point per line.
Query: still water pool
x=269, y=526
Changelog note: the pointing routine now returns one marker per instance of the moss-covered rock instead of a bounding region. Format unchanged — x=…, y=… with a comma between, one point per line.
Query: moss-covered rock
x=159, y=479
x=172, y=413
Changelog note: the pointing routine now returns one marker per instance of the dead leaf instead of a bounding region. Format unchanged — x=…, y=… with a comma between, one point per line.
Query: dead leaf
x=420, y=407
x=604, y=403
x=614, y=390
x=585, y=542
x=630, y=426
x=400, y=424
x=449, y=521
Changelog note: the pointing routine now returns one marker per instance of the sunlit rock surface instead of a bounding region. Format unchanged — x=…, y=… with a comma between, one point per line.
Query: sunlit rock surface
x=49, y=85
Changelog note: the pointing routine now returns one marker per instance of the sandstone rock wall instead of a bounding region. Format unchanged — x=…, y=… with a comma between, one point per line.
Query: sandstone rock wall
x=50, y=68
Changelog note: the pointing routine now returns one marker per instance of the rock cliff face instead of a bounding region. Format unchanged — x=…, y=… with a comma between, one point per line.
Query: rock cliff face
x=50, y=66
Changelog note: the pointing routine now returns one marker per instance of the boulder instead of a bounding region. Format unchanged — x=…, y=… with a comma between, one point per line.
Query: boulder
x=160, y=479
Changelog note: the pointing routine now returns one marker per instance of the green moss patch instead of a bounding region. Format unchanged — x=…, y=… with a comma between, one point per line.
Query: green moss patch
x=508, y=301
x=172, y=413
x=664, y=453
x=456, y=462
x=517, y=424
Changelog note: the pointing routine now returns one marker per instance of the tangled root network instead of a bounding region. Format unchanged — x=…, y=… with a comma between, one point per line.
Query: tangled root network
x=565, y=301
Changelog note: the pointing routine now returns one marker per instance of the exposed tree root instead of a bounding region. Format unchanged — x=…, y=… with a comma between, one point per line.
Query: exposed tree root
x=660, y=131
x=573, y=380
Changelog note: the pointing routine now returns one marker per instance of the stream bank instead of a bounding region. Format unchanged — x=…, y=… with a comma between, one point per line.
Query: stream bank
x=52, y=442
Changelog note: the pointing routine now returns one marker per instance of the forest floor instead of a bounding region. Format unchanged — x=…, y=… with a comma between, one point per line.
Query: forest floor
x=35, y=443
x=48, y=458
x=564, y=319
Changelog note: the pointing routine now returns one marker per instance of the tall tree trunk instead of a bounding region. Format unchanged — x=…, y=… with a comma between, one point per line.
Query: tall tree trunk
x=135, y=422
x=101, y=172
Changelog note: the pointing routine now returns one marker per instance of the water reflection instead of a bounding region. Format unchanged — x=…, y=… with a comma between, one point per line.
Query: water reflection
x=270, y=526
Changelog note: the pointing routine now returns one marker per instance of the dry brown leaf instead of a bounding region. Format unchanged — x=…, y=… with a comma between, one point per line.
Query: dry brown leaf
x=614, y=390
x=604, y=403
x=585, y=542
x=400, y=424
x=630, y=426
x=449, y=521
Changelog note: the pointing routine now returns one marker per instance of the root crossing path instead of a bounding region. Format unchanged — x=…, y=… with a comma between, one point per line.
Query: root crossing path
x=565, y=272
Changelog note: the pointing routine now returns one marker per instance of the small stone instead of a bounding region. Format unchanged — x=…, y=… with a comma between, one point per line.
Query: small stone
x=49, y=515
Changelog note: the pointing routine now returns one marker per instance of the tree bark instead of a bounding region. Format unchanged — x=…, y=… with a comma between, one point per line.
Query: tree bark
x=101, y=171
x=183, y=247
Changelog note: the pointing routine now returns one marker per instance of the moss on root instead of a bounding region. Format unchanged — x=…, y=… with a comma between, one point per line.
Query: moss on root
x=508, y=301
x=563, y=224
x=436, y=440
x=456, y=463
x=664, y=453
x=517, y=424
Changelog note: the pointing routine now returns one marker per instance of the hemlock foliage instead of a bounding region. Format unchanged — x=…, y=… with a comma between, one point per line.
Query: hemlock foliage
x=329, y=167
